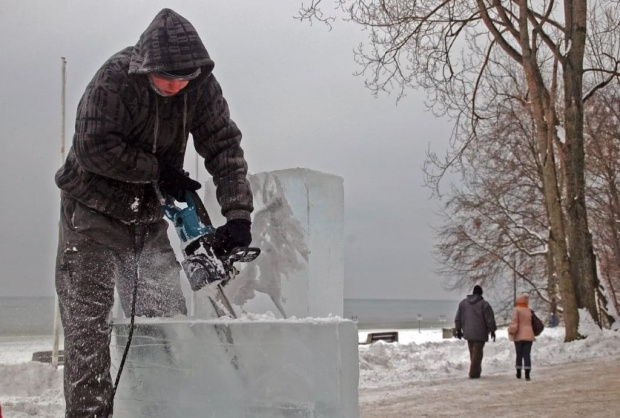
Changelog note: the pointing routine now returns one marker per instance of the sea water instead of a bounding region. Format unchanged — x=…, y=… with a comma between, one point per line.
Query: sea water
x=35, y=315
x=401, y=313
x=26, y=316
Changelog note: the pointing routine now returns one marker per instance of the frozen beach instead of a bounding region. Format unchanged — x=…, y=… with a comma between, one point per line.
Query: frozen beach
x=422, y=375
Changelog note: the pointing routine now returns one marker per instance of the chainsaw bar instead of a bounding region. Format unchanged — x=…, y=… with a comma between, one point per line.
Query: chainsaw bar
x=221, y=304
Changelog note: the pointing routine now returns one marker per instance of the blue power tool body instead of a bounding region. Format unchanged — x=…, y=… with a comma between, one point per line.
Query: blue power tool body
x=197, y=235
x=191, y=222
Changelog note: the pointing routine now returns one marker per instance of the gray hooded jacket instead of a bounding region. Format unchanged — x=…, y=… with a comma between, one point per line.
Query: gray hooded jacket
x=476, y=318
x=125, y=131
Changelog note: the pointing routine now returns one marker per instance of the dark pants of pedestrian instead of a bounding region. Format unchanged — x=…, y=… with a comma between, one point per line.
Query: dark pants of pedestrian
x=95, y=253
x=523, y=348
x=476, y=349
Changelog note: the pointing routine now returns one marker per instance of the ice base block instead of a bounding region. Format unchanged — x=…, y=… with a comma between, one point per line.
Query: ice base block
x=237, y=368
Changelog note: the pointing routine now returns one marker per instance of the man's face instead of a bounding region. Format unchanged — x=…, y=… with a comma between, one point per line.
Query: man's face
x=167, y=86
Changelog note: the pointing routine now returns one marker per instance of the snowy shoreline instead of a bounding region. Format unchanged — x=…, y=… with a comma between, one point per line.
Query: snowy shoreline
x=420, y=358
x=28, y=388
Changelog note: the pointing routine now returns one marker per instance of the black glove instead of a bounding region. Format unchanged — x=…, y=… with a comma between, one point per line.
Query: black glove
x=235, y=233
x=493, y=336
x=174, y=182
x=459, y=333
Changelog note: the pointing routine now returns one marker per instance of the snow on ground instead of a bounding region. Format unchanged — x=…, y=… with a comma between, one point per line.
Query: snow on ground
x=586, y=388
x=28, y=388
x=33, y=389
x=425, y=356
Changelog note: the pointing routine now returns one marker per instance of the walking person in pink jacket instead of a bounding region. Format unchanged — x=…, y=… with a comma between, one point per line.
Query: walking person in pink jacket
x=522, y=333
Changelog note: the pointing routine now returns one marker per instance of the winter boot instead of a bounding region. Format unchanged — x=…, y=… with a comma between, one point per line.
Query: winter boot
x=527, y=375
x=518, y=373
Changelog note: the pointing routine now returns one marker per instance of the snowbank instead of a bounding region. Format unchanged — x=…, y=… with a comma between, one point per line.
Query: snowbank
x=28, y=388
x=425, y=356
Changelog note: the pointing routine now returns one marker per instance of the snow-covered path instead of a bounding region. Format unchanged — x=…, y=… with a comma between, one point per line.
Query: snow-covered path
x=587, y=388
x=423, y=375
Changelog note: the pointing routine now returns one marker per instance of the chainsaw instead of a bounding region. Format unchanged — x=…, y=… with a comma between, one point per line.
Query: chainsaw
x=202, y=266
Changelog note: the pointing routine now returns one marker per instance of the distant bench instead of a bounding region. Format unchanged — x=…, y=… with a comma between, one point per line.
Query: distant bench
x=46, y=357
x=387, y=336
x=448, y=333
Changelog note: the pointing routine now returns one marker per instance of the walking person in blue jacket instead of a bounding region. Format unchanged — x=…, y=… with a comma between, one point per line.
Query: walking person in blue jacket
x=474, y=321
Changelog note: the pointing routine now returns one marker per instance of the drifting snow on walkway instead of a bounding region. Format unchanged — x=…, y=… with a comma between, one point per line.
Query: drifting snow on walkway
x=588, y=388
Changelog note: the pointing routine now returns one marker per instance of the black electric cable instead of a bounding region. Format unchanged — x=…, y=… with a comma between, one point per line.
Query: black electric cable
x=133, y=316
x=126, y=352
x=134, y=296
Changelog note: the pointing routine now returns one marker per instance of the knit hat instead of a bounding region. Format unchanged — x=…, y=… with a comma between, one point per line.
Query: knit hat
x=477, y=290
x=185, y=74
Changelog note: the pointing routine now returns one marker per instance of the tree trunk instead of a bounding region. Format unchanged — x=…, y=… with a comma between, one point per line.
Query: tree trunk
x=582, y=263
x=552, y=283
x=546, y=121
x=557, y=237
x=613, y=216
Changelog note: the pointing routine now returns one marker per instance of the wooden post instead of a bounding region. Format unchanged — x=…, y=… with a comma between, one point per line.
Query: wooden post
x=63, y=81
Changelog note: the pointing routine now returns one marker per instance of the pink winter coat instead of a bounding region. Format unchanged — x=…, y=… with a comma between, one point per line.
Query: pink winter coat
x=521, y=324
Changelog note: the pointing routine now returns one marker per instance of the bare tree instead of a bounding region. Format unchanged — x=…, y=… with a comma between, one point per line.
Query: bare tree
x=602, y=132
x=501, y=196
x=452, y=47
x=495, y=228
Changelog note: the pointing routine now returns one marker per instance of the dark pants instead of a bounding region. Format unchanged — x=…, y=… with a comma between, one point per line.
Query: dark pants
x=95, y=253
x=476, y=349
x=523, y=348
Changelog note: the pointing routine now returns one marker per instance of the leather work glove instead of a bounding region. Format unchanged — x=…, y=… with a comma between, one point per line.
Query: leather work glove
x=174, y=182
x=459, y=333
x=493, y=336
x=234, y=233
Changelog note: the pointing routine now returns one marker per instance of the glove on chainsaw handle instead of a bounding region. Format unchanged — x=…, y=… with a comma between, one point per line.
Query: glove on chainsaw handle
x=235, y=233
x=174, y=182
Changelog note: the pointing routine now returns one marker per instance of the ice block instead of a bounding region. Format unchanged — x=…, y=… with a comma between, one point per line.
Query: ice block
x=237, y=368
x=298, y=223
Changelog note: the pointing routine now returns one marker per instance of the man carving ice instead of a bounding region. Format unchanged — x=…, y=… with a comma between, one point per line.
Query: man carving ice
x=131, y=132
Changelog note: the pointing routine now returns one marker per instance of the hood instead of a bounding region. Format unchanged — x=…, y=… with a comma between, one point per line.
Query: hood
x=522, y=299
x=170, y=43
x=473, y=299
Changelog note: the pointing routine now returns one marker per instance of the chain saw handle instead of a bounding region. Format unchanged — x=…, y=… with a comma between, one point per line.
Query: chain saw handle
x=193, y=203
x=243, y=254
x=191, y=222
x=237, y=254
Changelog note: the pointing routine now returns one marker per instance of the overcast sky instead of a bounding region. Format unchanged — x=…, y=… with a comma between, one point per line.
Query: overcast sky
x=291, y=90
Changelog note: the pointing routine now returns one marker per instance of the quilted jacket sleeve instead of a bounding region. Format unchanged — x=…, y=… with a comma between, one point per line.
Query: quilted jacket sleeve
x=217, y=138
x=100, y=140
